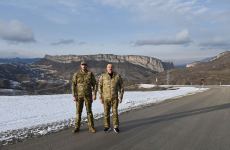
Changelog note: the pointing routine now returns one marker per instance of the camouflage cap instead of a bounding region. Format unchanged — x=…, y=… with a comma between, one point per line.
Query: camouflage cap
x=83, y=63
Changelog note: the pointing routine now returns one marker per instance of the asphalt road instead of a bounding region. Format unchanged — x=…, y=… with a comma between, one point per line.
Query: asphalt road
x=195, y=122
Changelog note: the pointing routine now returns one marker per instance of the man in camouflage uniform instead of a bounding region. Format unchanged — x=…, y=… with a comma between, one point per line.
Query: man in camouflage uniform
x=84, y=89
x=111, y=92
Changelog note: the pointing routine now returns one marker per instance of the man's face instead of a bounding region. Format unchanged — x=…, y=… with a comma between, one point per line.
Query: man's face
x=109, y=68
x=83, y=67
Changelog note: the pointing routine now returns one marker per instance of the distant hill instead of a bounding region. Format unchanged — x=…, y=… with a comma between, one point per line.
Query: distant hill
x=29, y=79
x=213, y=71
x=209, y=59
x=52, y=74
x=18, y=60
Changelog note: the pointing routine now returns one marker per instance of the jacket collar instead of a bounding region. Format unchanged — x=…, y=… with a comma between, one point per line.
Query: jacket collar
x=114, y=73
x=84, y=71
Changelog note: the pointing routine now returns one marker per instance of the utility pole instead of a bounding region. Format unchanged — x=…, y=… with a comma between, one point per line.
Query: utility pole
x=167, y=77
x=156, y=82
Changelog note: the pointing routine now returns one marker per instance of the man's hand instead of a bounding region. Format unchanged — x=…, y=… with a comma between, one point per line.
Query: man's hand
x=75, y=98
x=94, y=97
x=120, y=100
x=102, y=101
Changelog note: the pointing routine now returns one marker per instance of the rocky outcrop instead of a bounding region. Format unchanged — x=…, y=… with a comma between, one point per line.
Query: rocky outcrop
x=151, y=63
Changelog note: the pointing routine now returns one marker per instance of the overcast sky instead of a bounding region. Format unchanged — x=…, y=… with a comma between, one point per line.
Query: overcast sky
x=173, y=30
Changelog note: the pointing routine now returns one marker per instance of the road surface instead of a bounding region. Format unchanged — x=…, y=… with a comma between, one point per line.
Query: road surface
x=195, y=122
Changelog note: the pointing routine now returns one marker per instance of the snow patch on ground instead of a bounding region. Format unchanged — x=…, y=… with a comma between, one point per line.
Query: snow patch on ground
x=32, y=116
x=146, y=86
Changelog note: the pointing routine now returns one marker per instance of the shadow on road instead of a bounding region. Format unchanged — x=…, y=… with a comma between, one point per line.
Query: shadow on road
x=157, y=119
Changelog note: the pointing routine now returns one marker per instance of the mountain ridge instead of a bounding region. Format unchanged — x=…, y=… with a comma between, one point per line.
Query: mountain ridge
x=144, y=61
x=51, y=72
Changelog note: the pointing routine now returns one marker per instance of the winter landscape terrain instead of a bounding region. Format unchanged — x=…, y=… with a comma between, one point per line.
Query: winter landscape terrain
x=30, y=116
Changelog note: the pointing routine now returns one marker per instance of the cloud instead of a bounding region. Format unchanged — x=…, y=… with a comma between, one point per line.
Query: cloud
x=63, y=42
x=181, y=38
x=16, y=31
x=82, y=43
x=154, y=8
x=215, y=43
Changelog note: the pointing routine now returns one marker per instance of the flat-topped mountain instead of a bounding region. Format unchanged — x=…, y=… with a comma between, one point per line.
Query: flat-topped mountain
x=133, y=68
x=53, y=74
x=151, y=63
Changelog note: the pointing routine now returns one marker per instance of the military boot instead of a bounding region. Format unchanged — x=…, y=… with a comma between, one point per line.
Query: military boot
x=92, y=130
x=75, y=130
x=116, y=130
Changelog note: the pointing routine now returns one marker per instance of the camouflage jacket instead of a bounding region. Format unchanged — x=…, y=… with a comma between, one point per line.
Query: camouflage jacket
x=110, y=88
x=83, y=84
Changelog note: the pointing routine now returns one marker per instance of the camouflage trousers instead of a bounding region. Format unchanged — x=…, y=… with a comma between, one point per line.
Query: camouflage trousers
x=79, y=107
x=108, y=104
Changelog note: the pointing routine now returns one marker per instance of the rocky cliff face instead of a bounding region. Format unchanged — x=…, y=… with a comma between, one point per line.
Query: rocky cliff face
x=53, y=74
x=143, y=61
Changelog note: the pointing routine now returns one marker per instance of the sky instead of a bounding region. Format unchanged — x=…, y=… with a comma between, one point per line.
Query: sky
x=180, y=31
